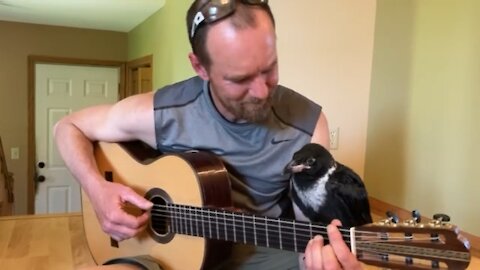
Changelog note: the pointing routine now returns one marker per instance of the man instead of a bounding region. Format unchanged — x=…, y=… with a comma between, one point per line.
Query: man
x=233, y=108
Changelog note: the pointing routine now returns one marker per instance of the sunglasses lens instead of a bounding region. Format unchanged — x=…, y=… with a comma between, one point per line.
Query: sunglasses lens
x=256, y=2
x=215, y=10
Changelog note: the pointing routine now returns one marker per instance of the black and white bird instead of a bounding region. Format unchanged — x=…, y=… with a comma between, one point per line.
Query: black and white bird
x=323, y=189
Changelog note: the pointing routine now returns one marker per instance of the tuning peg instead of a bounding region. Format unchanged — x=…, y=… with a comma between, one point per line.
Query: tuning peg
x=392, y=217
x=441, y=217
x=416, y=216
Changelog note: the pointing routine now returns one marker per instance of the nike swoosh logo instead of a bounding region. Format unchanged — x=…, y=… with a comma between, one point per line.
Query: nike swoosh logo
x=273, y=141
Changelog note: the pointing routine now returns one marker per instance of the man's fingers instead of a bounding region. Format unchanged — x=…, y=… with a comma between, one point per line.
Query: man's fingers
x=340, y=249
x=133, y=221
x=120, y=233
x=313, y=253
x=126, y=227
x=122, y=218
x=128, y=195
x=329, y=258
x=336, y=222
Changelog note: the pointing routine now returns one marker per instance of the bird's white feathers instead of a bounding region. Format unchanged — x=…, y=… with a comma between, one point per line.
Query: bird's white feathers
x=315, y=196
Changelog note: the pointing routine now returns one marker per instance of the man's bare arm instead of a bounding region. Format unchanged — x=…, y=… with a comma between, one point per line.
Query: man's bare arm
x=321, y=132
x=129, y=119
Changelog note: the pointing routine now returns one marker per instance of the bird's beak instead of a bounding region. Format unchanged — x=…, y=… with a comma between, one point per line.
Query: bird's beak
x=294, y=167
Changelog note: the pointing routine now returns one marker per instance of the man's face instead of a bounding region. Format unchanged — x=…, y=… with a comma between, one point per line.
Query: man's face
x=243, y=73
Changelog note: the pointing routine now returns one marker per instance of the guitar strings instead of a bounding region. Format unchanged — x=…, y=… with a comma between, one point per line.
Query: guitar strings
x=302, y=227
x=297, y=237
x=194, y=223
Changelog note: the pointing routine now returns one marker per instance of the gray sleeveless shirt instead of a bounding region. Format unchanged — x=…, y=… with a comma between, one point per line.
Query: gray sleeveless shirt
x=255, y=154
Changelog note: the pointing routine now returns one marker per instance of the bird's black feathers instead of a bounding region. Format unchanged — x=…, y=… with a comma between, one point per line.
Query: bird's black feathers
x=324, y=189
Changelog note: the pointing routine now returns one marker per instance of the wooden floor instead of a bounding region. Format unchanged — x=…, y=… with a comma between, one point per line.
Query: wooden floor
x=56, y=242
x=43, y=243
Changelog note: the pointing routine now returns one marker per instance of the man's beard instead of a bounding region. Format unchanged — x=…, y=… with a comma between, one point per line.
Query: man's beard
x=252, y=110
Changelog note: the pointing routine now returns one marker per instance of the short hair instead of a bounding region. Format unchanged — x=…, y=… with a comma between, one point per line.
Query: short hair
x=242, y=18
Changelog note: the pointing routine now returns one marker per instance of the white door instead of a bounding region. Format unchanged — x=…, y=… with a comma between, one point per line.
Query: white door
x=60, y=90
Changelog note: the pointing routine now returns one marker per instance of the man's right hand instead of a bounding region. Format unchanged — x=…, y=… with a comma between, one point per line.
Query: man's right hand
x=108, y=201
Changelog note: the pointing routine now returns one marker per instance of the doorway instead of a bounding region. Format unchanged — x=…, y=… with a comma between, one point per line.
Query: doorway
x=59, y=91
x=94, y=88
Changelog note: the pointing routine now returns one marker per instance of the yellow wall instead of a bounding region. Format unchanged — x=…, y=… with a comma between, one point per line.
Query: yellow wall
x=325, y=50
x=422, y=150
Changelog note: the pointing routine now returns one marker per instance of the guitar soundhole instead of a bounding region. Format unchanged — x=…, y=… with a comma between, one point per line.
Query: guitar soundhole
x=160, y=218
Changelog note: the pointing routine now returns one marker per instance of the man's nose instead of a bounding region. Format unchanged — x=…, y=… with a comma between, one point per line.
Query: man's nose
x=259, y=88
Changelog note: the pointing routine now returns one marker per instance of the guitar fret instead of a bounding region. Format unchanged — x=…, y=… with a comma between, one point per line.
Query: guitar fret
x=178, y=220
x=280, y=233
x=234, y=229
x=185, y=220
x=295, y=236
x=185, y=210
x=193, y=220
x=182, y=220
x=225, y=225
x=203, y=225
x=254, y=231
x=189, y=219
x=272, y=232
x=180, y=223
x=302, y=239
x=266, y=232
x=177, y=225
x=244, y=229
x=209, y=224
x=196, y=222
x=288, y=232
x=261, y=231
x=216, y=225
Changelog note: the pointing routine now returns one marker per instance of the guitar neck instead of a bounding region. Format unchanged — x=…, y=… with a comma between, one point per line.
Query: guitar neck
x=294, y=235
x=235, y=227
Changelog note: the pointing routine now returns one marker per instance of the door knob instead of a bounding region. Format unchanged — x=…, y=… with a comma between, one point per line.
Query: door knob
x=40, y=178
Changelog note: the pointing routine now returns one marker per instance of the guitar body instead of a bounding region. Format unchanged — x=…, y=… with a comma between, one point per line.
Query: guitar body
x=196, y=179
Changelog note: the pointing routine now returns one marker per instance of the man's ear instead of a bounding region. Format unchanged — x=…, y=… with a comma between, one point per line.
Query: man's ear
x=198, y=67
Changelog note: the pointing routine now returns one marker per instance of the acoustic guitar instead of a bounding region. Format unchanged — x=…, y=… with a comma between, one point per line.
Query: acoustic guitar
x=189, y=227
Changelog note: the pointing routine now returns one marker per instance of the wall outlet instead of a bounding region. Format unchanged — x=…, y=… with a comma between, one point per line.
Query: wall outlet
x=334, y=133
x=14, y=153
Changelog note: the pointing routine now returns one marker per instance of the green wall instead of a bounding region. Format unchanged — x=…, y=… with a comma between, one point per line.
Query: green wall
x=424, y=126
x=164, y=35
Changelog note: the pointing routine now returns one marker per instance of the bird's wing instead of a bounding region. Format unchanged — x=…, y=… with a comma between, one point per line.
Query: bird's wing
x=351, y=196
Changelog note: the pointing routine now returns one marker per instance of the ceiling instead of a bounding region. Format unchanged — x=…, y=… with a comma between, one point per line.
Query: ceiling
x=114, y=15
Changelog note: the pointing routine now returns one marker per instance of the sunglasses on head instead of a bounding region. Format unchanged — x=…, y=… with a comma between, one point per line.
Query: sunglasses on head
x=215, y=10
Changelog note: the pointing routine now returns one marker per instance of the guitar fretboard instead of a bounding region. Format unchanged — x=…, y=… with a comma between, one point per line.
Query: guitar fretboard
x=237, y=227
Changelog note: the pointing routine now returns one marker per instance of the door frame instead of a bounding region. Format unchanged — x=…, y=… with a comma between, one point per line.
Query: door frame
x=145, y=61
x=31, y=146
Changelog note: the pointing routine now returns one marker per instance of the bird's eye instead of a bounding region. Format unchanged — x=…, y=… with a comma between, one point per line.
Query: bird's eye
x=311, y=161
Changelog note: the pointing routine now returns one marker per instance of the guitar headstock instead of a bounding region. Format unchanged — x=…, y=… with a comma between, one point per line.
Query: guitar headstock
x=412, y=244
